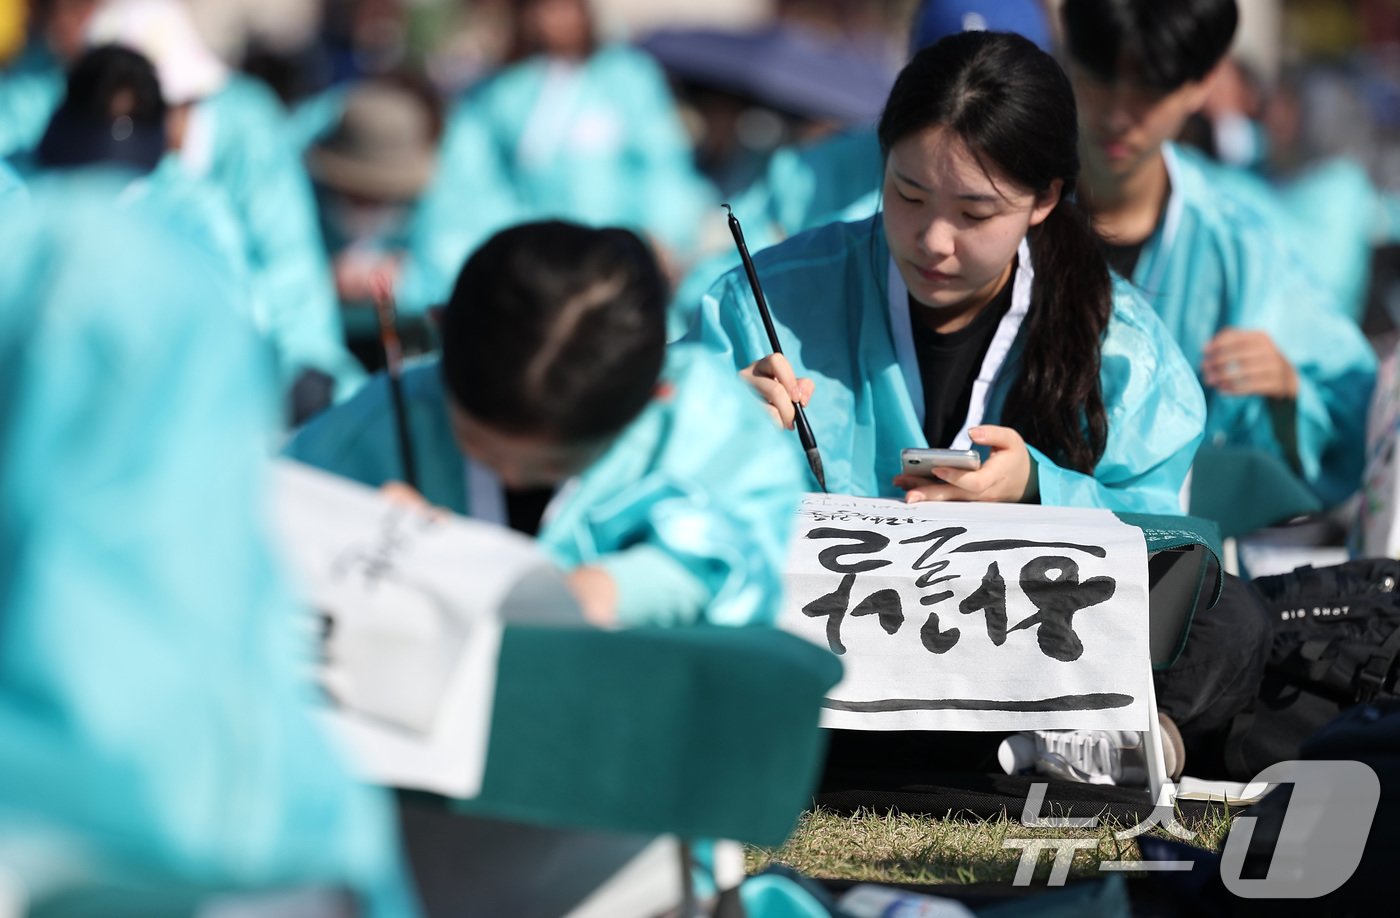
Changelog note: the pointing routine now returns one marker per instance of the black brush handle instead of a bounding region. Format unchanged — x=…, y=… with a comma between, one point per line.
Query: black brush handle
x=804, y=428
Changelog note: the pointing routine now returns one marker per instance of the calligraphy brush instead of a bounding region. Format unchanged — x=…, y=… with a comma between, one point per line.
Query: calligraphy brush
x=386, y=312
x=804, y=429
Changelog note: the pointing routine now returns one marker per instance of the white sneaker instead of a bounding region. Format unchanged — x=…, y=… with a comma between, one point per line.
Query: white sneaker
x=1086, y=756
x=1090, y=756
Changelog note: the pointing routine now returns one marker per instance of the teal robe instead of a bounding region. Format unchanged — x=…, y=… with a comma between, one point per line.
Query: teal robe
x=153, y=690
x=600, y=143
x=198, y=211
x=11, y=185
x=249, y=157
x=1335, y=216
x=827, y=289
x=808, y=185
x=835, y=179
x=30, y=90
x=238, y=141
x=689, y=509
x=468, y=201
x=1216, y=261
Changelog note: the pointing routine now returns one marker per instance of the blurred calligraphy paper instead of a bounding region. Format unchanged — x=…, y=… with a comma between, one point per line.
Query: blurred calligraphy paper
x=410, y=607
x=966, y=616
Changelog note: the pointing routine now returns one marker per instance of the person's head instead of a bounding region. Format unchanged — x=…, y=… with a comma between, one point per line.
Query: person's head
x=113, y=114
x=979, y=146
x=552, y=343
x=63, y=23
x=937, y=19
x=379, y=157
x=1140, y=69
x=165, y=32
x=561, y=28
x=1283, y=120
x=981, y=152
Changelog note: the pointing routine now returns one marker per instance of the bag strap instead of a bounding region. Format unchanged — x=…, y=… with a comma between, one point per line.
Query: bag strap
x=1233, y=752
x=1318, y=653
x=1370, y=679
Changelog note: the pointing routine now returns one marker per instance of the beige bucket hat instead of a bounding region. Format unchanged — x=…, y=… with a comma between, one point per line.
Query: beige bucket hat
x=383, y=146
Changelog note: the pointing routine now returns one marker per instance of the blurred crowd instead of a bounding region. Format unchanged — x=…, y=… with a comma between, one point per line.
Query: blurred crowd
x=341, y=142
x=395, y=136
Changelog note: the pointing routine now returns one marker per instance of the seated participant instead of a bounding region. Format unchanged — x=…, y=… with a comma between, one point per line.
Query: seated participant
x=231, y=132
x=585, y=131
x=1335, y=212
x=114, y=122
x=838, y=178
x=556, y=408
x=1283, y=372
x=975, y=309
x=113, y=118
x=370, y=169
x=153, y=697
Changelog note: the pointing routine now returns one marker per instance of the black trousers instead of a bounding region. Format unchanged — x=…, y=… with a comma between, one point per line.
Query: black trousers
x=1218, y=673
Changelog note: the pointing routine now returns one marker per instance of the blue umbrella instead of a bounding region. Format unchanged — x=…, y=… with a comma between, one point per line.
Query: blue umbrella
x=784, y=68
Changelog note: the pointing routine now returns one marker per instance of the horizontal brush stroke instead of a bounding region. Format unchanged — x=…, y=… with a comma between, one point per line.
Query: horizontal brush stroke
x=1100, y=701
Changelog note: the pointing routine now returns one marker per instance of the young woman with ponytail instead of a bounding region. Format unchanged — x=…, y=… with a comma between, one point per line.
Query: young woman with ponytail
x=974, y=310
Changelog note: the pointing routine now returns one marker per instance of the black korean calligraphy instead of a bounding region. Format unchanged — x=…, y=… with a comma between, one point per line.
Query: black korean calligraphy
x=1052, y=584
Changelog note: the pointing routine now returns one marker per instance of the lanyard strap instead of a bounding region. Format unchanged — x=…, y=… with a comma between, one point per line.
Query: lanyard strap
x=902, y=330
x=1153, y=270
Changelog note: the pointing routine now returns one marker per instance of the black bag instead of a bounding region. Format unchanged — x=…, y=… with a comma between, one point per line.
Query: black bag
x=1336, y=643
x=1367, y=733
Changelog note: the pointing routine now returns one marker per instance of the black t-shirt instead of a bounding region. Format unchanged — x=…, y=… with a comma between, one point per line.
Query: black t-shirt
x=948, y=364
x=1122, y=258
x=525, y=509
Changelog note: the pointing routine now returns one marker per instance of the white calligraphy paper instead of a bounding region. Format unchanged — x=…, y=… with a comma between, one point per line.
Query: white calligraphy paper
x=412, y=607
x=967, y=616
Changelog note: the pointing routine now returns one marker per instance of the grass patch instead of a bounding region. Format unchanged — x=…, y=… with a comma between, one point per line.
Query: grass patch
x=891, y=848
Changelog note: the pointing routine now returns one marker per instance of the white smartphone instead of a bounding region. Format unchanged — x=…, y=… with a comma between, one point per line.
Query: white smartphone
x=922, y=462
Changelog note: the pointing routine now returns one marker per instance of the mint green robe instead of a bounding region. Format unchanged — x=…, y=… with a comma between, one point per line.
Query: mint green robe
x=154, y=696
x=599, y=142
x=828, y=292
x=1216, y=261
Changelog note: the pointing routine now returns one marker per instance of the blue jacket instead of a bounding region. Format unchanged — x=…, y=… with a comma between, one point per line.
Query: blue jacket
x=251, y=160
x=30, y=89
x=835, y=179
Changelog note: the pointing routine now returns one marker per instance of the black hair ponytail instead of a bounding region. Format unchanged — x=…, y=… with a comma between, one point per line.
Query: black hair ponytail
x=1014, y=108
x=1057, y=402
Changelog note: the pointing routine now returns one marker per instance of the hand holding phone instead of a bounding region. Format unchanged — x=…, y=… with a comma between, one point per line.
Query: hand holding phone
x=922, y=462
x=1003, y=476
